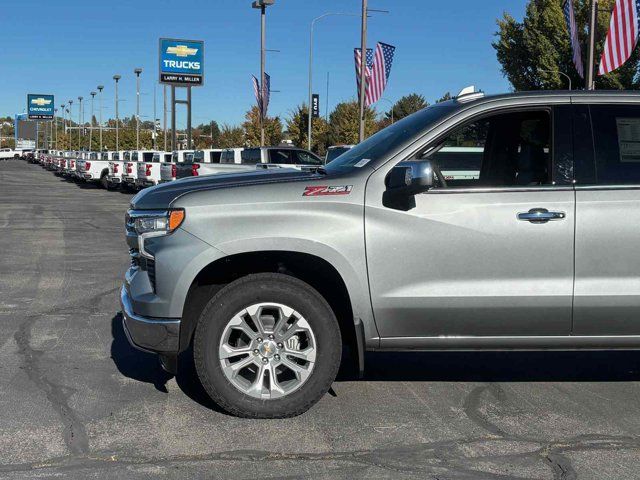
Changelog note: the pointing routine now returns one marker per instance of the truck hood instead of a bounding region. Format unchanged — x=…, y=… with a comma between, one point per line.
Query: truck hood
x=163, y=195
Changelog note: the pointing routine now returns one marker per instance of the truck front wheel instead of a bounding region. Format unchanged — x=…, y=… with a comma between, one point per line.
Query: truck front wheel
x=267, y=346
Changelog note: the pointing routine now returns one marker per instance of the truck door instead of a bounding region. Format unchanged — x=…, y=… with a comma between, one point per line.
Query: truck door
x=488, y=254
x=607, y=285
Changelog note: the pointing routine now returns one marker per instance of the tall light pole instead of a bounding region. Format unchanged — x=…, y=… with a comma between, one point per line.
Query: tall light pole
x=313, y=22
x=70, y=102
x=93, y=94
x=116, y=78
x=79, y=121
x=55, y=128
x=100, y=88
x=137, y=71
x=363, y=67
x=262, y=5
x=592, y=44
x=164, y=110
x=64, y=118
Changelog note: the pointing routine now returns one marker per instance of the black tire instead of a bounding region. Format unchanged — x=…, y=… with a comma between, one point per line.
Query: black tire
x=104, y=182
x=257, y=288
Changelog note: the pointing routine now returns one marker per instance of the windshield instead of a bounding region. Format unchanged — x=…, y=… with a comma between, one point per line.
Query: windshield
x=115, y=156
x=134, y=156
x=390, y=138
x=127, y=156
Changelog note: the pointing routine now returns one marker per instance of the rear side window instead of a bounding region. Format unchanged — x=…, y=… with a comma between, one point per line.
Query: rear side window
x=198, y=156
x=251, y=156
x=616, y=137
x=214, y=157
x=167, y=157
x=156, y=158
x=148, y=157
x=282, y=157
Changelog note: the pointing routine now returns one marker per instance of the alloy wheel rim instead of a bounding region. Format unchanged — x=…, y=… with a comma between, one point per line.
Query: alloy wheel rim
x=267, y=350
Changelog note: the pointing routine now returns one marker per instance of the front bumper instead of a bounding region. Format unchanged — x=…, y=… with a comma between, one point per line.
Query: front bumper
x=156, y=335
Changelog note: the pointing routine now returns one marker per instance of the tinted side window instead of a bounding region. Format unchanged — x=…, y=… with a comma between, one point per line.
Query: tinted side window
x=616, y=136
x=214, y=157
x=306, y=158
x=283, y=157
x=148, y=157
x=251, y=155
x=512, y=149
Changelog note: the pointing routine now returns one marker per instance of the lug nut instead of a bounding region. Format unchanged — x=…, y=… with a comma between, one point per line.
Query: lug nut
x=271, y=337
x=280, y=345
x=256, y=352
x=265, y=360
x=259, y=340
x=276, y=357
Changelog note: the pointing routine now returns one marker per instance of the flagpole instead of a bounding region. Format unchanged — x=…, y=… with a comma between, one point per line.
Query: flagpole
x=592, y=44
x=363, y=68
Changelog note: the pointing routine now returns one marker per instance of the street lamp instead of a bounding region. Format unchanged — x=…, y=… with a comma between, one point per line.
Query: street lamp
x=55, y=128
x=64, y=118
x=137, y=71
x=559, y=73
x=116, y=78
x=93, y=94
x=100, y=88
x=79, y=120
x=262, y=5
x=313, y=22
x=70, y=102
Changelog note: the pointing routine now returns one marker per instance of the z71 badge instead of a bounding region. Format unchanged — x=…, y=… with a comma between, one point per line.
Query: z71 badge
x=317, y=191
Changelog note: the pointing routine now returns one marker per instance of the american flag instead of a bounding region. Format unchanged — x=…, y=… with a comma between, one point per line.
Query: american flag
x=622, y=37
x=380, y=71
x=569, y=16
x=266, y=93
x=256, y=91
x=262, y=101
x=356, y=52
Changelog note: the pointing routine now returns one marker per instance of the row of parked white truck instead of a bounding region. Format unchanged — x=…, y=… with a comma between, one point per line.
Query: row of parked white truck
x=136, y=169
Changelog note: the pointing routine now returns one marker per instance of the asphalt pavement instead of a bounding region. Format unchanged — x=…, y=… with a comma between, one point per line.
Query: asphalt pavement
x=76, y=401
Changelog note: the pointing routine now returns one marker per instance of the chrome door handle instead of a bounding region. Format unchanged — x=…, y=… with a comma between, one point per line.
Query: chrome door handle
x=540, y=215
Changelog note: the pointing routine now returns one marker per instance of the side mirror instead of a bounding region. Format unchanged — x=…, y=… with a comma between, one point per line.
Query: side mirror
x=406, y=180
x=410, y=178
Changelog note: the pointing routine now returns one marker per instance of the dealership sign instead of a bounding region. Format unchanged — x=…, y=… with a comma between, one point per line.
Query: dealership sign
x=181, y=62
x=40, y=107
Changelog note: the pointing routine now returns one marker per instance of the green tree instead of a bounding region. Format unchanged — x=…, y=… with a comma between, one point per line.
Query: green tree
x=251, y=125
x=344, y=123
x=298, y=126
x=444, y=98
x=532, y=52
x=406, y=106
x=231, y=137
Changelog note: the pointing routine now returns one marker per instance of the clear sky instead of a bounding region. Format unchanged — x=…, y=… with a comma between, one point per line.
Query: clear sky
x=68, y=47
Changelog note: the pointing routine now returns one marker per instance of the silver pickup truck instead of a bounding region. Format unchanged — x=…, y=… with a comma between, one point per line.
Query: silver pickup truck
x=266, y=275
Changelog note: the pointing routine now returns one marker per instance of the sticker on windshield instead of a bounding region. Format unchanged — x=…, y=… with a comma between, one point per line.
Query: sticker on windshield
x=317, y=191
x=362, y=162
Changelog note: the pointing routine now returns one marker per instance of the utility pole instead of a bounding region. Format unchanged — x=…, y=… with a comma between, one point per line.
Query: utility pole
x=262, y=5
x=116, y=78
x=70, y=113
x=137, y=71
x=79, y=122
x=93, y=94
x=55, y=126
x=164, y=108
x=155, y=133
x=363, y=67
x=100, y=87
x=592, y=44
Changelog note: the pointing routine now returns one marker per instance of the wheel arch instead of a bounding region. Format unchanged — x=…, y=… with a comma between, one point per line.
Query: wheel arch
x=312, y=269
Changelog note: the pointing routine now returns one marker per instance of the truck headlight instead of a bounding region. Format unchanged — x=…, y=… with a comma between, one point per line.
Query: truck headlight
x=160, y=223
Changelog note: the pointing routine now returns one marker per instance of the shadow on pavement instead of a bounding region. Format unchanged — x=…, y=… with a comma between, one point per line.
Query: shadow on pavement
x=145, y=367
x=611, y=366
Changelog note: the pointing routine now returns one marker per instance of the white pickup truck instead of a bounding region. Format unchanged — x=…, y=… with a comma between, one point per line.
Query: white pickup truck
x=94, y=168
x=8, y=153
x=116, y=167
x=208, y=162
x=130, y=173
x=149, y=172
x=168, y=171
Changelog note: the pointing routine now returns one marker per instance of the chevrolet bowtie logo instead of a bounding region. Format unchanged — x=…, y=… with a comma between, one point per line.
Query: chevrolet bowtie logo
x=41, y=101
x=182, y=51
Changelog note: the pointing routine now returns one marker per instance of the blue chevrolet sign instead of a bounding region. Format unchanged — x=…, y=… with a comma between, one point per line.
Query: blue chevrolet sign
x=40, y=107
x=181, y=62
